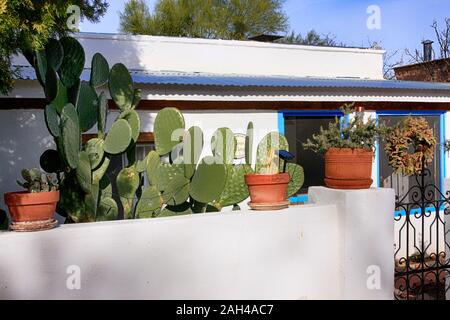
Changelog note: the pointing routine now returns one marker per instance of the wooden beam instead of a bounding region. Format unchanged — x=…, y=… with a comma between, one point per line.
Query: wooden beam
x=144, y=137
x=19, y=103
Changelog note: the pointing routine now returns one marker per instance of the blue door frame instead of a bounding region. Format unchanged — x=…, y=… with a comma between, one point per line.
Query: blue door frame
x=304, y=113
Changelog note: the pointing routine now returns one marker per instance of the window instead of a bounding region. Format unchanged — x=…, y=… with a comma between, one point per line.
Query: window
x=400, y=183
x=297, y=129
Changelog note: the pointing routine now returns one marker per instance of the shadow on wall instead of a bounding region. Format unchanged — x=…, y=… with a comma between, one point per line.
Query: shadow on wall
x=23, y=138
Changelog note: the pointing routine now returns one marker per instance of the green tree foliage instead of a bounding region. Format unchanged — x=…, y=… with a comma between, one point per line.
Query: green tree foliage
x=216, y=19
x=25, y=25
x=312, y=38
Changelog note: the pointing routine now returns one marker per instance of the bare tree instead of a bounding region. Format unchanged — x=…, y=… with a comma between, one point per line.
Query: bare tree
x=390, y=60
x=440, y=62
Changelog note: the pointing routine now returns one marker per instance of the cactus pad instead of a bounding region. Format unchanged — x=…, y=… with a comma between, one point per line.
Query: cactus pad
x=121, y=86
x=149, y=202
x=61, y=98
x=176, y=191
x=51, y=84
x=168, y=126
x=180, y=210
x=132, y=117
x=87, y=107
x=118, y=138
x=54, y=53
x=136, y=98
x=99, y=71
x=84, y=172
x=208, y=181
x=297, y=178
x=152, y=163
x=266, y=160
x=107, y=210
x=73, y=62
x=52, y=120
x=223, y=145
x=165, y=173
x=235, y=190
x=94, y=148
x=127, y=184
x=99, y=173
x=70, y=134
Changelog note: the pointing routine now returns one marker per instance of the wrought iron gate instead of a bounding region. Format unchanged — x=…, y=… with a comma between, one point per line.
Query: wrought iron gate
x=422, y=266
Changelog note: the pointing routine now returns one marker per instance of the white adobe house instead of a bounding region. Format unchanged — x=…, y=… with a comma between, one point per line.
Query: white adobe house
x=317, y=251
x=216, y=83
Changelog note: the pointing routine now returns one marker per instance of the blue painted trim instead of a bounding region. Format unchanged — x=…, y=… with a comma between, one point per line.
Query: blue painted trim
x=281, y=128
x=302, y=198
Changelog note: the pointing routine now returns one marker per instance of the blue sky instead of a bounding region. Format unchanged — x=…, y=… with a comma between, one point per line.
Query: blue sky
x=404, y=23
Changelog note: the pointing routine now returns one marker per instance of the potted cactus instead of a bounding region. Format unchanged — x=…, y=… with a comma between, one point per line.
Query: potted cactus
x=268, y=187
x=33, y=209
x=348, y=147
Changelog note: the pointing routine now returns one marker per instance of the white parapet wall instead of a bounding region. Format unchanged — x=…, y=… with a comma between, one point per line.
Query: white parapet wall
x=318, y=251
x=366, y=240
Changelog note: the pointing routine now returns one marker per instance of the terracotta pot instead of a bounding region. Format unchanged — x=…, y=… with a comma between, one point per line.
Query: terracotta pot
x=267, y=188
x=26, y=207
x=348, y=168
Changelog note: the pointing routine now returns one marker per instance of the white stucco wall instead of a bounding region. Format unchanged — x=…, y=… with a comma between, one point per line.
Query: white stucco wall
x=214, y=56
x=337, y=248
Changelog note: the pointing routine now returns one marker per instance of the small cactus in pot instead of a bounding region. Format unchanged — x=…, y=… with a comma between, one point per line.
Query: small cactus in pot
x=273, y=180
x=33, y=209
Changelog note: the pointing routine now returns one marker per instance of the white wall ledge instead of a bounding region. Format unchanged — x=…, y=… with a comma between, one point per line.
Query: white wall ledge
x=290, y=254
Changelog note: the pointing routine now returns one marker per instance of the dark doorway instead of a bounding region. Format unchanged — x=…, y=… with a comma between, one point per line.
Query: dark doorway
x=297, y=130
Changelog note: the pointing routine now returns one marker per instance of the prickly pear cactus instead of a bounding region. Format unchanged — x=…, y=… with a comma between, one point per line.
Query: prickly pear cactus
x=235, y=190
x=297, y=178
x=75, y=107
x=208, y=181
x=118, y=138
x=121, y=87
x=223, y=145
x=127, y=184
x=169, y=124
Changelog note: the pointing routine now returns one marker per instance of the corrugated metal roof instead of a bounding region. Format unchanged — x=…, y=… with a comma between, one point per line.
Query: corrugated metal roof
x=206, y=79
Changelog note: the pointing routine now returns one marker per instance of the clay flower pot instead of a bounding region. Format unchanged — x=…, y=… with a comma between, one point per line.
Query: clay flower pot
x=31, y=207
x=268, y=190
x=348, y=168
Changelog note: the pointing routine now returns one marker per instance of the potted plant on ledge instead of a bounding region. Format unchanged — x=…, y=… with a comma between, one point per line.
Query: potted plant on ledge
x=33, y=210
x=269, y=186
x=348, y=147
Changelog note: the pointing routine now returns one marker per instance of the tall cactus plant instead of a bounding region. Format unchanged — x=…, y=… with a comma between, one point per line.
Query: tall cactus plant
x=74, y=107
